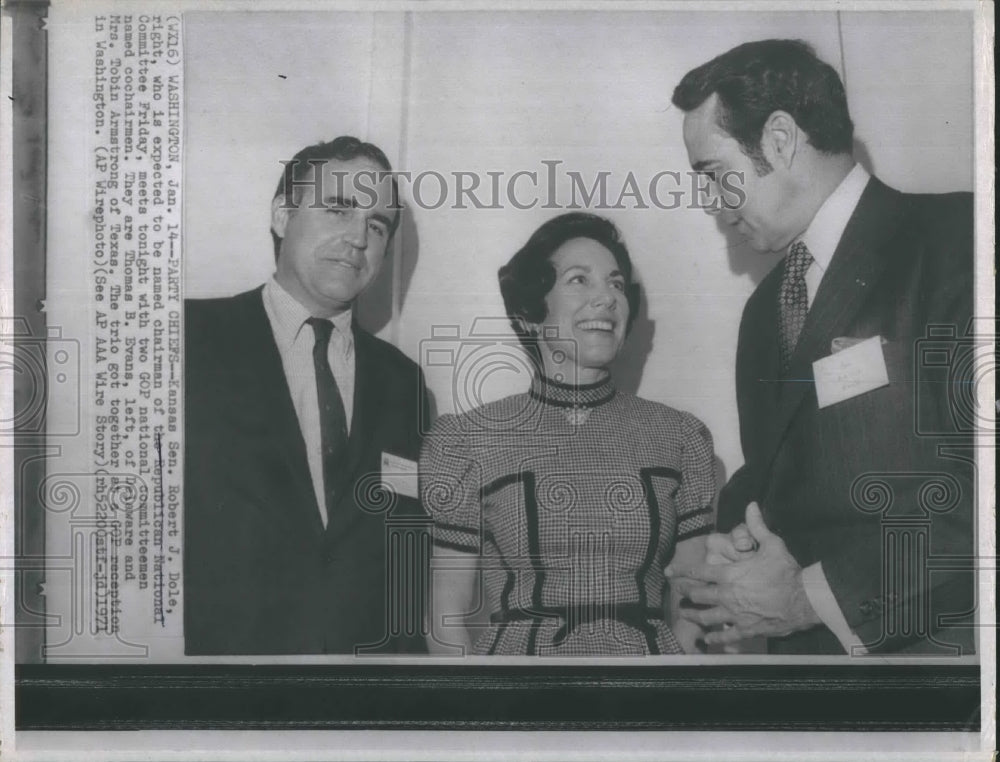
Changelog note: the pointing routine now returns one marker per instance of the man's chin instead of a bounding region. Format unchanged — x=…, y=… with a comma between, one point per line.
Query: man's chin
x=343, y=286
x=338, y=297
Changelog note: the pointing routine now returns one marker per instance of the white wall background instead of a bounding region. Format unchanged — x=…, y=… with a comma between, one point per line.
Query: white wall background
x=502, y=91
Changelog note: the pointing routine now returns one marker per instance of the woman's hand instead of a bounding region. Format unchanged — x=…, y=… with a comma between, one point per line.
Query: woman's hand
x=689, y=635
x=455, y=578
x=716, y=549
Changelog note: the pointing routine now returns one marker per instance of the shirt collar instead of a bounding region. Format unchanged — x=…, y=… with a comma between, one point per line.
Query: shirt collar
x=827, y=226
x=288, y=317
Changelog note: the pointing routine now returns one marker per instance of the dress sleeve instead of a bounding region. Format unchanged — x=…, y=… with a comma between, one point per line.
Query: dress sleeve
x=697, y=492
x=449, y=487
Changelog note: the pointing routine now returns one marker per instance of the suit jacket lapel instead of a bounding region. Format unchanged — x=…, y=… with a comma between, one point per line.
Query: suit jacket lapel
x=263, y=392
x=856, y=266
x=367, y=393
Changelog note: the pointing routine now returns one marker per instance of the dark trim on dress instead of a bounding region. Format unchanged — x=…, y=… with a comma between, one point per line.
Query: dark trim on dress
x=455, y=546
x=456, y=528
x=534, y=551
x=629, y=614
x=499, y=483
x=707, y=529
x=655, y=526
x=690, y=514
x=527, y=481
x=508, y=586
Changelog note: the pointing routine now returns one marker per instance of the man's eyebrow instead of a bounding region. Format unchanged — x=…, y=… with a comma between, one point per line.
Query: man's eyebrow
x=701, y=166
x=353, y=203
x=339, y=201
x=378, y=217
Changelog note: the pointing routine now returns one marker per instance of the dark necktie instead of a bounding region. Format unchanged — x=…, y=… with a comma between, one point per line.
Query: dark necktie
x=793, y=301
x=333, y=421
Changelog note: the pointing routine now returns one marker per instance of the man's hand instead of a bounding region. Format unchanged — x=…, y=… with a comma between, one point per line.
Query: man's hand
x=759, y=595
x=726, y=548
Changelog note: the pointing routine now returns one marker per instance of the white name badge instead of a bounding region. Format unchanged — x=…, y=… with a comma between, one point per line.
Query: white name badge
x=852, y=371
x=400, y=474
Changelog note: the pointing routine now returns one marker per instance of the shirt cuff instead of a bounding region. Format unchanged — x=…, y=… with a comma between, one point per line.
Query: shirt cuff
x=825, y=605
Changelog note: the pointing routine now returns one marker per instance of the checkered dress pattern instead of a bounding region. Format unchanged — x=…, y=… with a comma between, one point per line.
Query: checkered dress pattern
x=573, y=521
x=793, y=300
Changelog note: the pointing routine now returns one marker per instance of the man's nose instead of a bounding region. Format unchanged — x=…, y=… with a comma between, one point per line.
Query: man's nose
x=357, y=233
x=713, y=201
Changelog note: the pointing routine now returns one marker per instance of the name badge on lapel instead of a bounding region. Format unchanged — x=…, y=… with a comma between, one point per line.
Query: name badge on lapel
x=853, y=370
x=400, y=474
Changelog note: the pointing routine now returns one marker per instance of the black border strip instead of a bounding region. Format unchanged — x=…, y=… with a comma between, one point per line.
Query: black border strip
x=907, y=697
x=108, y=697
x=29, y=133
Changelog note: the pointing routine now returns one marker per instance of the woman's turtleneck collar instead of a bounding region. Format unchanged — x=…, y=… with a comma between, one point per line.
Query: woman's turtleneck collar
x=572, y=395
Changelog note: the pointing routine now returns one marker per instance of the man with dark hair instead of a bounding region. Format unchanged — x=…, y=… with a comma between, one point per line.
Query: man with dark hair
x=293, y=413
x=842, y=504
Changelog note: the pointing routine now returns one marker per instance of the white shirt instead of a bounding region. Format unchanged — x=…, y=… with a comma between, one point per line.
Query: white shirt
x=822, y=238
x=827, y=227
x=295, y=340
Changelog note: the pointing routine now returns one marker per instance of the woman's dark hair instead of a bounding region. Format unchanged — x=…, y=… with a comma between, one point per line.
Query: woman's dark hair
x=529, y=275
x=756, y=79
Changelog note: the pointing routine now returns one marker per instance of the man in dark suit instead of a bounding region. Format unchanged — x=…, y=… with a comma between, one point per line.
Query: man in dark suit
x=294, y=415
x=853, y=517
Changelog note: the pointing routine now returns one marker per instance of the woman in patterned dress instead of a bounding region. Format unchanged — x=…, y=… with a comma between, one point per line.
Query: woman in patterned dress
x=555, y=511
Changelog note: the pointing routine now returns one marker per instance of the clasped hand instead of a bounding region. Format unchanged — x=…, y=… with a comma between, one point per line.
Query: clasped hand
x=754, y=592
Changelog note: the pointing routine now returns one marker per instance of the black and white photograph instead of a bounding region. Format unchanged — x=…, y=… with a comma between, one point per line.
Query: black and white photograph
x=378, y=370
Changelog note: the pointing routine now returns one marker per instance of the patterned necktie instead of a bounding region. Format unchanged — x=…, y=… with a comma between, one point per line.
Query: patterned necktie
x=332, y=419
x=793, y=300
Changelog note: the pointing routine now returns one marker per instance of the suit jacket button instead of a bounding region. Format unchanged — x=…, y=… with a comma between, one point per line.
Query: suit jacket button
x=866, y=608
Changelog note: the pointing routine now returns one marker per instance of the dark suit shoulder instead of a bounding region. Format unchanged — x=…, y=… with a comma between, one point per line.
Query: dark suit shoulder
x=946, y=207
x=211, y=316
x=215, y=329
x=223, y=309
x=944, y=223
x=399, y=377
x=399, y=367
x=940, y=224
x=938, y=234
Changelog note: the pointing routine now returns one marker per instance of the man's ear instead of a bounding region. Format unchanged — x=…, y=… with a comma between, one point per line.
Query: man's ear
x=280, y=213
x=780, y=137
